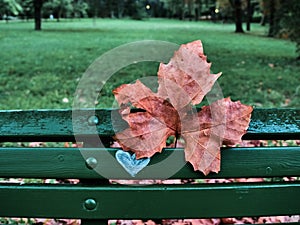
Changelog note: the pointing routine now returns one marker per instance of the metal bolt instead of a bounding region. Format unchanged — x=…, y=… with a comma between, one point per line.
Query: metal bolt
x=91, y=162
x=268, y=170
x=93, y=120
x=90, y=204
x=61, y=158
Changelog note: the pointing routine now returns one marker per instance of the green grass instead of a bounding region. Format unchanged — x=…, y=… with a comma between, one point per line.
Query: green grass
x=43, y=69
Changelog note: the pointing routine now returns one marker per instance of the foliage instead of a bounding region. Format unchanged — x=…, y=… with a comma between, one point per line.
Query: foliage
x=190, y=9
x=226, y=7
x=291, y=21
x=80, y=8
x=58, y=8
x=183, y=83
x=27, y=6
x=135, y=9
x=284, y=19
x=9, y=7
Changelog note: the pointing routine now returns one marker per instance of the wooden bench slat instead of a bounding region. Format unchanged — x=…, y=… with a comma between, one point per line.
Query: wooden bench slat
x=70, y=163
x=274, y=124
x=51, y=125
x=156, y=201
x=56, y=125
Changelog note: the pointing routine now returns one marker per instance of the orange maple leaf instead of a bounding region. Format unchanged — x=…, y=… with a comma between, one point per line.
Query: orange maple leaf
x=183, y=83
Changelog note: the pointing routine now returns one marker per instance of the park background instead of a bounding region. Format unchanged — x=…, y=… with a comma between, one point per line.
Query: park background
x=46, y=46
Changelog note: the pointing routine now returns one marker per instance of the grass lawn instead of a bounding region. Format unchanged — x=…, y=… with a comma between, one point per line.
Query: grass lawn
x=43, y=69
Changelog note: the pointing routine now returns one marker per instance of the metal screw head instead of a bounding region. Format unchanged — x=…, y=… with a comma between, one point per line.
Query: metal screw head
x=269, y=170
x=91, y=162
x=90, y=204
x=93, y=120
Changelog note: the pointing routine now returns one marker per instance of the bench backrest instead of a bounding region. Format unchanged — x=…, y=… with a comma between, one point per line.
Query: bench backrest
x=94, y=164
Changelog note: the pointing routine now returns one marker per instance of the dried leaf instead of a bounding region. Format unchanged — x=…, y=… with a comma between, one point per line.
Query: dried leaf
x=186, y=78
x=183, y=82
x=223, y=122
x=148, y=131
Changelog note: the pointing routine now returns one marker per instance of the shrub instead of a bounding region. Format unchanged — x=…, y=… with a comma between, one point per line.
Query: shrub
x=291, y=21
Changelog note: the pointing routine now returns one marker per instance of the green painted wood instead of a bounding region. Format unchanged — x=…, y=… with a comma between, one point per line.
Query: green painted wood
x=156, y=201
x=71, y=163
x=112, y=201
x=60, y=125
x=274, y=124
x=55, y=125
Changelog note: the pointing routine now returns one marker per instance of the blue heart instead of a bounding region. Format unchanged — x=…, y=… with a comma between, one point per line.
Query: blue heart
x=130, y=163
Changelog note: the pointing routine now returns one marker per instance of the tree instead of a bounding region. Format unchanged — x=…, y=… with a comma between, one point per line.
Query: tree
x=249, y=14
x=198, y=6
x=59, y=8
x=291, y=21
x=28, y=11
x=9, y=7
x=37, y=5
x=135, y=9
x=237, y=7
x=80, y=8
x=93, y=9
x=175, y=8
x=115, y=8
x=238, y=16
x=271, y=12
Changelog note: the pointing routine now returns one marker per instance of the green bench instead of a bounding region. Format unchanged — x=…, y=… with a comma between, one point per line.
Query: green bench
x=94, y=200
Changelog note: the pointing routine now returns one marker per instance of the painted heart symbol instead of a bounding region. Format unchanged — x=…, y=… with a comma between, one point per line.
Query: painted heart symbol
x=132, y=165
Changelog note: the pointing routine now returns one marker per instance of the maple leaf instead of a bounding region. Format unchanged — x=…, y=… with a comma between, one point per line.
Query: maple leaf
x=183, y=83
x=223, y=122
x=148, y=131
x=186, y=78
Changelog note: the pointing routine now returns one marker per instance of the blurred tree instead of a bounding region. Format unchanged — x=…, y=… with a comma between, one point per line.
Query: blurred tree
x=37, y=5
x=190, y=9
x=238, y=15
x=80, y=8
x=9, y=8
x=237, y=8
x=271, y=13
x=225, y=8
x=58, y=8
x=115, y=8
x=290, y=22
x=27, y=6
x=135, y=9
x=198, y=7
x=107, y=8
x=175, y=8
x=249, y=14
x=94, y=7
x=156, y=8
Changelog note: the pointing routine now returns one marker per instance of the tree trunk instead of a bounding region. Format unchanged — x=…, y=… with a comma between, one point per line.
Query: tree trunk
x=272, y=19
x=38, y=14
x=238, y=16
x=249, y=15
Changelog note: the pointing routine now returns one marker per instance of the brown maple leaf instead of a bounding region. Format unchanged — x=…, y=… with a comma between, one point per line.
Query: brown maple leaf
x=223, y=122
x=183, y=83
x=148, y=131
x=186, y=78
